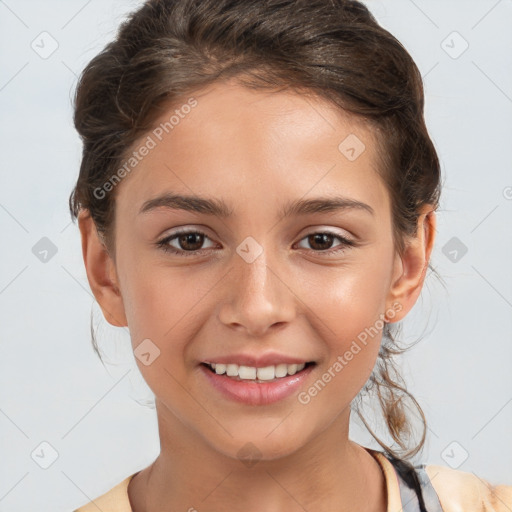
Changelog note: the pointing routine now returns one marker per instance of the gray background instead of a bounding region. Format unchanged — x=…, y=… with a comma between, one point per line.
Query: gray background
x=53, y=388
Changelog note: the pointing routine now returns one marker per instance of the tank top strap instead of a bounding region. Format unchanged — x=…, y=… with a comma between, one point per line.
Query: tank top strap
x=416, y=490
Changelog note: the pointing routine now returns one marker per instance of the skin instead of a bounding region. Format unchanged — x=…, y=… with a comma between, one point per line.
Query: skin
x=256, y=150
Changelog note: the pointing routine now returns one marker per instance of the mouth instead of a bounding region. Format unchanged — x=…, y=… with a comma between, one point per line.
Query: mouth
x=266, y=374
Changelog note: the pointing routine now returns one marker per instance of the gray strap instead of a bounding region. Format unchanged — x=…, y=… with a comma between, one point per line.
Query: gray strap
x=408, y=496
x=429, y=493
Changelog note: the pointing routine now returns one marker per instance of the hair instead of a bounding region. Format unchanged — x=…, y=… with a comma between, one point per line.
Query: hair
x=332, y=49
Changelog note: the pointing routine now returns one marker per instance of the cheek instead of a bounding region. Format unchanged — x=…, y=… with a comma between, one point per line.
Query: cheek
x=161, y=311
x=164, y=305
x=347, y=301
x=349, y=310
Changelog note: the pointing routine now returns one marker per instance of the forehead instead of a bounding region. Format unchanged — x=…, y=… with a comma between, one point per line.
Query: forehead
x=248, y=146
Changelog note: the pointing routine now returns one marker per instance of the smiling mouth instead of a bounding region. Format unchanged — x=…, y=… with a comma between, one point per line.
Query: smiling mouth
x=253, y=374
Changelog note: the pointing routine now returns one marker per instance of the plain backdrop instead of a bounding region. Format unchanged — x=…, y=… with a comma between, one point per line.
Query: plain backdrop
x=70, y=427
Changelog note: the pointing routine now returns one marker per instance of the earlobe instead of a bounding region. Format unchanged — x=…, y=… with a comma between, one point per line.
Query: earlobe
x=101, y=272
x=412, y=266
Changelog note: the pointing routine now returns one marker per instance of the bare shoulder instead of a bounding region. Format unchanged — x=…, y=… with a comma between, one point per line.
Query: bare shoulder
x=460, y=490
x=114, y=500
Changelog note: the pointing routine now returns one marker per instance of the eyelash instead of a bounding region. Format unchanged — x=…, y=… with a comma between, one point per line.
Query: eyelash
x=163, y=244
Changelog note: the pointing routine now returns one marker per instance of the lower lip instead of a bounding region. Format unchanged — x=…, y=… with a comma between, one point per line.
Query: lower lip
x=254, y=393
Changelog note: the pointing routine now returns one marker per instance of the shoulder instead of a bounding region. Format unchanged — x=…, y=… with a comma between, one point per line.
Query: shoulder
x=115, y=500
x=462, y=491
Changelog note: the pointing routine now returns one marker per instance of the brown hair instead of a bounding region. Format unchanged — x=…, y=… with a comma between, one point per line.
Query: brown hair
x=334, y=49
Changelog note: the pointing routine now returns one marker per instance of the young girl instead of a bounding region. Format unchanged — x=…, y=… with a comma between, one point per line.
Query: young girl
x=257, y=202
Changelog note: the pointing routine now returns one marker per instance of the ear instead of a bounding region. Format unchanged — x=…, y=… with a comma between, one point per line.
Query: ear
x=410, y=268
x=101, y=272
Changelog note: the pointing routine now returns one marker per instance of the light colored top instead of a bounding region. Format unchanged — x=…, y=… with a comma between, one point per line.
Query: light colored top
x=444, y=490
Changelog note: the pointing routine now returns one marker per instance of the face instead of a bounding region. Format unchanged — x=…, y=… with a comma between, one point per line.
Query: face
x=249, y=281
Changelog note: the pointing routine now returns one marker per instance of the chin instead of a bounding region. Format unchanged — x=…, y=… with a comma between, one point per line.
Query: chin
x=259, y=447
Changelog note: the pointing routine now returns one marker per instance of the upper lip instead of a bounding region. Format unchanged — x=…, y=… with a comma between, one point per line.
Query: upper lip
x=258, y=361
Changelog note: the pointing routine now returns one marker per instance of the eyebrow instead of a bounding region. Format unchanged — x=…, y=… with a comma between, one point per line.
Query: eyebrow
x=219, y=208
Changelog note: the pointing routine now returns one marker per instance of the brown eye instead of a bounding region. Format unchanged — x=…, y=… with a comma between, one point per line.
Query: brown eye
x=190, y=241
x=187, y=243
x=322, y=242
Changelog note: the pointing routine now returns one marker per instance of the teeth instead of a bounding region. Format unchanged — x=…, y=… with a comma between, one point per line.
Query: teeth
x=266, y=373
x=253, y=373
x=281, y=370
x=220, y=368
x=231, y=370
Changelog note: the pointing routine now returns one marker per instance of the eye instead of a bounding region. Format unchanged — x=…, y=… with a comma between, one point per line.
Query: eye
x=189, y=242
x=323, y=239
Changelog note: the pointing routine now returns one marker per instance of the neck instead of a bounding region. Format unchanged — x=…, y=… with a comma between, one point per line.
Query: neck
x=329, y=473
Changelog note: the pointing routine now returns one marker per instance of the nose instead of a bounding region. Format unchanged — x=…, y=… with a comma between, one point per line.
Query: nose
x=255, y=295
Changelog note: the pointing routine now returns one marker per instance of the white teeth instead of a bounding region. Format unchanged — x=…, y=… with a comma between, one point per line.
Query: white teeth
x=247, y=372
x=220, y=368
x=281, y=370
x=266, y=373
x=253, y=373
x=232, y=370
